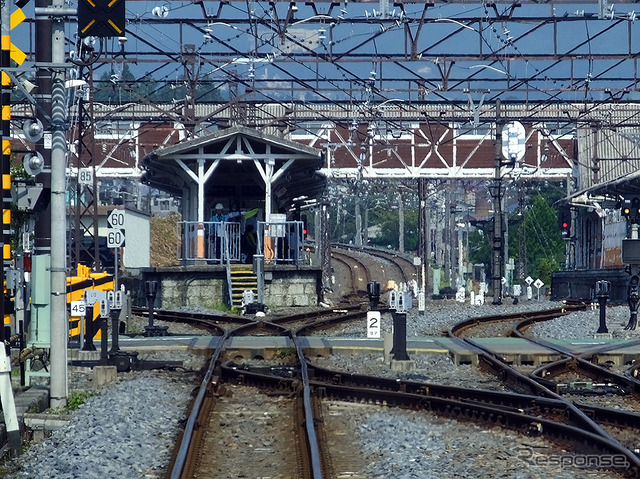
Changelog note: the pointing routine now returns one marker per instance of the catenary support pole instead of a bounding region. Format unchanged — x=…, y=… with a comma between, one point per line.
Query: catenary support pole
x=59, y=322
x=498, y=235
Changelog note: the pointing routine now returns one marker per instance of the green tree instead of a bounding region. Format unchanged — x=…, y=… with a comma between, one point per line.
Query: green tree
x=115, y=86
x=479, y=249
x=208, y=91
x=545, y=248
x=389, y=229
x=123, y=87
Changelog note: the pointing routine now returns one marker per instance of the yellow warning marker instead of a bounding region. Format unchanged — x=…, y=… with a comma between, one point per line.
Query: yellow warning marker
x=15, y=53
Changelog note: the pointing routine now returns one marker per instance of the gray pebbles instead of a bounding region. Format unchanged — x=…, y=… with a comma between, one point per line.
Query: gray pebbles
x=128, y=429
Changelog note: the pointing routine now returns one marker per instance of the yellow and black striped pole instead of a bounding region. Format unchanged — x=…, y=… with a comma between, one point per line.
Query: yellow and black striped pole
x=6, y=392
x=5, y=101
x=9, y=52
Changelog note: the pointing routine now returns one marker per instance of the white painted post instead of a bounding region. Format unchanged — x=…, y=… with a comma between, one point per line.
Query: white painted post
x=8, y=404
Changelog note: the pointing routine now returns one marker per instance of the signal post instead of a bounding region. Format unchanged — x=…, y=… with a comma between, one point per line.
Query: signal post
x=631, y=257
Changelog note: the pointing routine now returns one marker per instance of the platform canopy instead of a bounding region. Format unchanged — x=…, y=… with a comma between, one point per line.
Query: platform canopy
x=238, y=166
x=608, y=194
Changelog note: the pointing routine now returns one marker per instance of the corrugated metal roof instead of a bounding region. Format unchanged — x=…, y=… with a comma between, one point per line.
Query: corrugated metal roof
x=606, y=154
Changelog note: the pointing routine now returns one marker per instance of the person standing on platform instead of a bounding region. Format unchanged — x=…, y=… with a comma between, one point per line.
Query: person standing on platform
x=218, y=218
x=249, y=244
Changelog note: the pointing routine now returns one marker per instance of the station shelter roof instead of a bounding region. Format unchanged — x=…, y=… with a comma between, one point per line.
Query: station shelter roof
x=608, y=193
x=238, y=166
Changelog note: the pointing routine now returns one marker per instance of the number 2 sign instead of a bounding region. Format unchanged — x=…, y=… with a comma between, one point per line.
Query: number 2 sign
x=373, y=324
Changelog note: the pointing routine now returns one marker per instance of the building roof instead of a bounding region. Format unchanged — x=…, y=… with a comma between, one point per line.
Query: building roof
x=231, y=162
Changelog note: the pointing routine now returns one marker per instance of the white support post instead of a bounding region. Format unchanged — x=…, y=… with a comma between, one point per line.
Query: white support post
x=8, y=404
x=269, y=166
x=201, y=236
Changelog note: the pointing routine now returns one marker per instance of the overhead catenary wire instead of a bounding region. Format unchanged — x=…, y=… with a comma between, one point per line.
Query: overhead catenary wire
x=262, y=16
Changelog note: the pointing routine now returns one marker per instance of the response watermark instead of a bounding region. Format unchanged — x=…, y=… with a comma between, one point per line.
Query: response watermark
x=572, y=460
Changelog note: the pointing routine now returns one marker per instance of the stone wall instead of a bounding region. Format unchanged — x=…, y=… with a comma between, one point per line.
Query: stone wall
x=206, y=287
x=292, y=288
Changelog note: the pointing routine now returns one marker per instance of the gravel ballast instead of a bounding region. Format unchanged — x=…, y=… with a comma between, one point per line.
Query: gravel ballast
x=128, y=428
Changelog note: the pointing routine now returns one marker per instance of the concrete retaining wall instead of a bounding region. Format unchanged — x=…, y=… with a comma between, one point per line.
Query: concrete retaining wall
x=292, y=287
x=206, y=287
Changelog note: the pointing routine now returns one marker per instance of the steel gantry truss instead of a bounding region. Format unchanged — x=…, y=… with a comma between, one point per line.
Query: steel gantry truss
x=296, y=52
x=404, y=89
x=366, y=67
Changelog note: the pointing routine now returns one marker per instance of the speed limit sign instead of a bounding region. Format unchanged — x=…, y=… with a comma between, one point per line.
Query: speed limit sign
x=85, y=176
x=115, y=238
x=116, y=219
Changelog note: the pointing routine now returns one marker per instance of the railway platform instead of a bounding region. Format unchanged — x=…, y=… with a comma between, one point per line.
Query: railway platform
x=515, y=351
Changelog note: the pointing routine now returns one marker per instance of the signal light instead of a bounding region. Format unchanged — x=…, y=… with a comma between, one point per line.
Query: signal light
x=564, y=221
x=33, y=163
x=630, y=208
x=33, y=130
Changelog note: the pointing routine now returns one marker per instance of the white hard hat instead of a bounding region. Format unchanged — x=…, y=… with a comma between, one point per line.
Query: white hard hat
x=219, y=206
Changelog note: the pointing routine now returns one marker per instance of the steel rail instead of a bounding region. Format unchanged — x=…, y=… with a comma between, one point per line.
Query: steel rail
x=509, y=415
x=576, y=361
x=492, y=362
x=394, y=258
x=531, y=317
x=317, y=315
x=186, y=445
x=312, y=438
x=178, y=467
x=355, y=280
x=527, y=403
x=505, y=403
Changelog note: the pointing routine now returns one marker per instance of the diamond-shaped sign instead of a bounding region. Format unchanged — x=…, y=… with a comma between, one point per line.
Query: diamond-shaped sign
x=101, y=18
x=15, y=53
x=116, y=219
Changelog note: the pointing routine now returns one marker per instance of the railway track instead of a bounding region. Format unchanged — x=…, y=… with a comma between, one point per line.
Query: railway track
x=587, y=379
x=197, y=457
x=540, y=411
x=401, y=269
x=359, y=274
x=212, y=323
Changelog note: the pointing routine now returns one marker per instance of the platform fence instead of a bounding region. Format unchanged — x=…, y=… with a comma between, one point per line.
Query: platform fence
x=220, y=242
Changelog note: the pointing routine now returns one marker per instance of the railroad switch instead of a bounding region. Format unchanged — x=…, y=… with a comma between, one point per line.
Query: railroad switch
x=591, y=388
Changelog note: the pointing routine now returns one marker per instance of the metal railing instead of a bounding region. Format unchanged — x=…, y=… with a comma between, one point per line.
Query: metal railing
x=282, y=242
x=219, y=242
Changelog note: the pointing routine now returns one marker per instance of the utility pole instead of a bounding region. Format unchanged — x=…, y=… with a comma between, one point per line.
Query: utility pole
x=358, y=214
x=5, y=104
x=424, y=234
x=400, y=221
x=6, y=392
x=59, y=322
x=498, y=238
x=448, y=234
x=43, y=46
x=324, y=245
